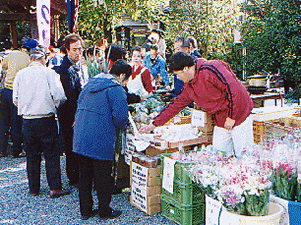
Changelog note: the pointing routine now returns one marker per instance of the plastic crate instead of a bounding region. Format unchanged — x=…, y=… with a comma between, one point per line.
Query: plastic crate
x=180, y=174
x=186, y=194
x=184, y=215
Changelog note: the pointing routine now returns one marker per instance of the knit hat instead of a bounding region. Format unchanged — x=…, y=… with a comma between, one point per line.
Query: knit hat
x=30, y=43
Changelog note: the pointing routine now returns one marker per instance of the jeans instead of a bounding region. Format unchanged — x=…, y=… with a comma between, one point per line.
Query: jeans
x=10, y=122
x=41, y=135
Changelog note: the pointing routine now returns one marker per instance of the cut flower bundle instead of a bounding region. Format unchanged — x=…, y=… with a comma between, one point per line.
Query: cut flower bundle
x=241, y=185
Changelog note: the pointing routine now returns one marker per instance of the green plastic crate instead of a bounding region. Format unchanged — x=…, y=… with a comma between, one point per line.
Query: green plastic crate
x=186, y=194
x=184, y=215
x=180, y=174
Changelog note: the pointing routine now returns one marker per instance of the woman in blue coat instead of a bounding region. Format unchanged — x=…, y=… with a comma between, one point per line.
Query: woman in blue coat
x=102, y=108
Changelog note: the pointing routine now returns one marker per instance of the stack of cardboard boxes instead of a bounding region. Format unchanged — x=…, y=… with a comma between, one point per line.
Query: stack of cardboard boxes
x=146, y=183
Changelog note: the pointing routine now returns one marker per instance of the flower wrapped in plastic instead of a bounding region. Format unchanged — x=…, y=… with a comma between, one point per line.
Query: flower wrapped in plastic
x=241, y=185
x=285, y=181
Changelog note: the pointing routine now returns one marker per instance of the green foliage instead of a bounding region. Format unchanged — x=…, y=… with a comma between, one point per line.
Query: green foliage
x=271, y=36
x=211, y=22
x=98, y=21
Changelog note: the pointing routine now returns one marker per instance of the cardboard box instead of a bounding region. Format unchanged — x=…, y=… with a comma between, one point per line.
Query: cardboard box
x=147, y=191
x=145, y=177
x=203, y=121
x=148, y=209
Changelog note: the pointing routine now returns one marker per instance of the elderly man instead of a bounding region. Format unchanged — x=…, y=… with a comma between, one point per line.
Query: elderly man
x=214, y=87
x=37, y=92
x=193, y=47
x=180, y=45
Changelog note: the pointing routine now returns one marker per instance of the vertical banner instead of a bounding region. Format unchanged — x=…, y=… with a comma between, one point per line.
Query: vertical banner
x=72, y=13
x=43, y=20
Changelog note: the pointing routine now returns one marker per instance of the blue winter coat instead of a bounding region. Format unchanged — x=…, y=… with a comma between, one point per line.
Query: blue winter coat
x=102, y=107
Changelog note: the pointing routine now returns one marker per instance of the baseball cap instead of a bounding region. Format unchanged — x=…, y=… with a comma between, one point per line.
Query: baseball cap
x=38, y=52
x=31, y=43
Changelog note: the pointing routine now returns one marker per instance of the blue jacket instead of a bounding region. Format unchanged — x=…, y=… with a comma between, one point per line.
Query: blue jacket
x=157, y=67
x=102, y=107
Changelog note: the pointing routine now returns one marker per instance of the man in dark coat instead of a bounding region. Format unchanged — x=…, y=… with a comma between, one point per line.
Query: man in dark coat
x=102, y=109
x=72, y=77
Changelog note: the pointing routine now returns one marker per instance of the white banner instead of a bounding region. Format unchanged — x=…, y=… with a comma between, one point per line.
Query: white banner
x=43, y=20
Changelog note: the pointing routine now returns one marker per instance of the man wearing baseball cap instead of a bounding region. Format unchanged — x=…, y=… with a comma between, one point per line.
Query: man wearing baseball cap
x=38, y=92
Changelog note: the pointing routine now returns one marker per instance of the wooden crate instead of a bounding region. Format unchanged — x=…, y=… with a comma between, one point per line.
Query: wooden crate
x=179, y=120
x=160, y=143
x=279, y=127
x=153, y=151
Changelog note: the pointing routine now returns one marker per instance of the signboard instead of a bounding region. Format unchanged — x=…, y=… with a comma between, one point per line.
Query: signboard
x=43, y=20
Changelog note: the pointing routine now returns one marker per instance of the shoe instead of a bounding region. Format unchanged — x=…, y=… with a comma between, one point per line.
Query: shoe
x=33, y=194
x=21, y=155
x=59, y=193
x=92, y=214
x=3, y=155
x=75, y=185
x=116, y=190
x=114, y=214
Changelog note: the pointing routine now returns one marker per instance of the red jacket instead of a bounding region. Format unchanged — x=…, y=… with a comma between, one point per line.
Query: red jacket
x=214, y=88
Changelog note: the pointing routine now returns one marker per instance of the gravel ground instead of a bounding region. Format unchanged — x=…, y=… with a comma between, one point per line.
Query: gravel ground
x=17, y=207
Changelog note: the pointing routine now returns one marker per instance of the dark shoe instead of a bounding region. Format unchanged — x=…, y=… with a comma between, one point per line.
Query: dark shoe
x=3, y=155
x=114, y=214
x=92, y=214
x=59, y=193
x=21, y=155
x=116, y=190
x=33, y=194
x=75, y=185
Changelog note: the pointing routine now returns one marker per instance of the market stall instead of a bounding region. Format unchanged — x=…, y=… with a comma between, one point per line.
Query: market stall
x=177, y=172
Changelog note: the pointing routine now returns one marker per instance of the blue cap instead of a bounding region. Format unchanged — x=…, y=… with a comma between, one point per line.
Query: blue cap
x=31, y=43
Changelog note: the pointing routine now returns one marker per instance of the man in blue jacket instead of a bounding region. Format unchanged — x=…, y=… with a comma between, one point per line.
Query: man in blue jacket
x=102, y=108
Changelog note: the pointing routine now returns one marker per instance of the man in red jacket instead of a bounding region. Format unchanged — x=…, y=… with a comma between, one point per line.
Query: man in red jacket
x=214, y=87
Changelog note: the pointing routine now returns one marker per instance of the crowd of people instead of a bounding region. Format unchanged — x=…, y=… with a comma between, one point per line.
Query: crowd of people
x=43, y=86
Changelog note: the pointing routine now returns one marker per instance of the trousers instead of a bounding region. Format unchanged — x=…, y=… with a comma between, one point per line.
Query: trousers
x=10, y=122
x=98, y=171
x=40, y=136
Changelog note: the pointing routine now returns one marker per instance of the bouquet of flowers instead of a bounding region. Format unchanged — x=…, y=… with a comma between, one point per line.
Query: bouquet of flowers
x=285, y=181
x=285, y=160
x=241, y=185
